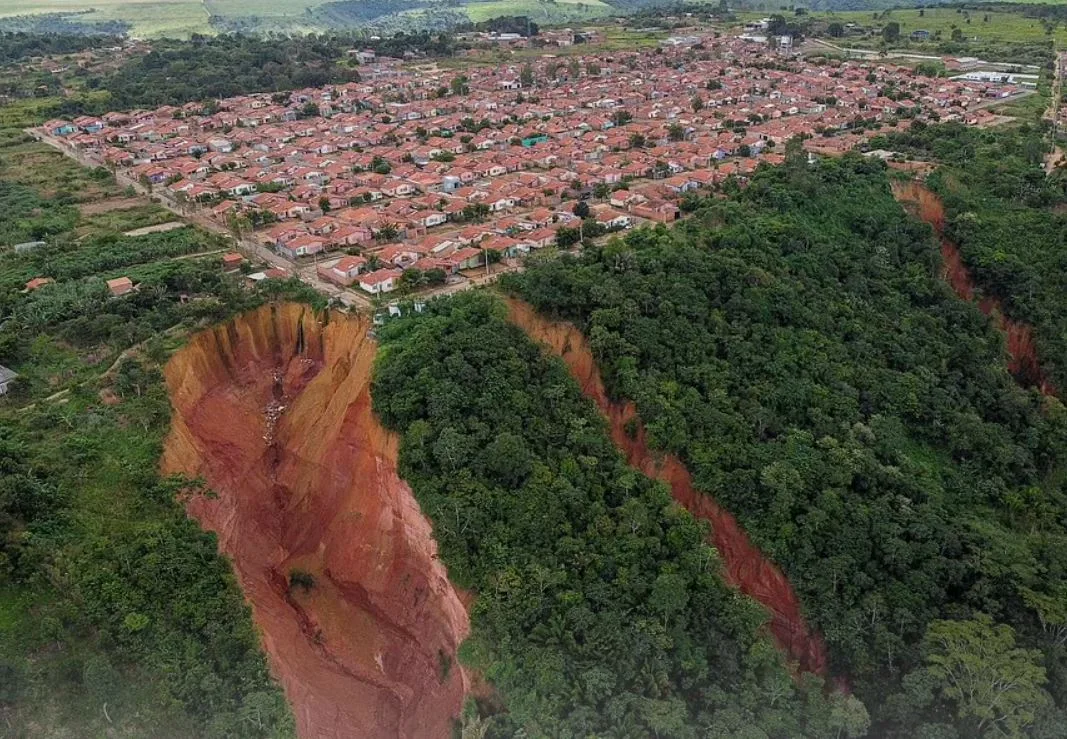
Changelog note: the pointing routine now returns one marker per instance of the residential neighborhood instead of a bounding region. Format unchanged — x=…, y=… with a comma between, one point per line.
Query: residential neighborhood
x=420, y=370
x=417, y=167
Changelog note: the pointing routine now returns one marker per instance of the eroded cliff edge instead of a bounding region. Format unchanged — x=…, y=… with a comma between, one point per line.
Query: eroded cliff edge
x=273, y=411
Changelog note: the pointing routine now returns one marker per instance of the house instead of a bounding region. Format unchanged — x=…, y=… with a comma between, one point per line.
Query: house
x=380, y=281
x=504, y=245
x=7, y=376
x=432, y=218
x=120, y=286
x=610, y=218
x=89, y=124
x=302, y=246
x=680, y=184
x=232, y=262
x=662, y=212
x=348, y=235
x=541, y=238
x=344, y=271
x=274, y=273
x=400, y=255
x=60, y=128
x=465, y=258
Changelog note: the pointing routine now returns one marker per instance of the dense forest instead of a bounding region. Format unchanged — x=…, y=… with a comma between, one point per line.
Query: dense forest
x=519, y=24
x=72, y=26
x=23, y=45
x=600, y=611
x=794, y=344
x=117, y=615
x=177, y=72
x=1009, y=221
x=225, y=66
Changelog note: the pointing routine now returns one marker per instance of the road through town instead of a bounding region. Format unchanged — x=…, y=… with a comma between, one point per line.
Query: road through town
x=307, y=272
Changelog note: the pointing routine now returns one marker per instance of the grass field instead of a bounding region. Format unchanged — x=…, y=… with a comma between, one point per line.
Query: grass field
x=259, y=7
x=42, y=168
x=181, y=18
x=175, y=18
x=1000, y=27
x=539, y=10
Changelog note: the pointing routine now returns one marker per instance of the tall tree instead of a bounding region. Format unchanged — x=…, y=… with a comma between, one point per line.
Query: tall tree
x=995, y=684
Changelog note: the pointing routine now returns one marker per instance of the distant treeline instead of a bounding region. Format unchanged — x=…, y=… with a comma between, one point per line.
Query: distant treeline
x=205, y=68
x=18, y=45
x=209, y=68
x=1048, y=11
x=345, y=16
x=519, y=24
x=66, y=24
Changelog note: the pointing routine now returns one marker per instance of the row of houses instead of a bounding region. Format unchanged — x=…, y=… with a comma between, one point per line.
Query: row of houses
x=425, y=157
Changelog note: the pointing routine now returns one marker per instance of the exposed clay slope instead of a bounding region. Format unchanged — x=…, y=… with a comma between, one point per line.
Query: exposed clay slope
x=745, y=566
x=273, y=410
x=1022, y=350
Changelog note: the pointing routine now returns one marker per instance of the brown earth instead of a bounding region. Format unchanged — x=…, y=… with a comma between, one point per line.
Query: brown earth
x=1022, y=350
x=273, y=410
x=106, y=206
x=746, y=568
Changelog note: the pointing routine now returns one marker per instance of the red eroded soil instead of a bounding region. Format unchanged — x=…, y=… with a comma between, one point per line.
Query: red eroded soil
x=273, y=410
x=746, y=568
x=1022, y=351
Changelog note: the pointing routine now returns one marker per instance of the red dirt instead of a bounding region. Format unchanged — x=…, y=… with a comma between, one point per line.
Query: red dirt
x=273, y=411
x=1022, y=350
x=746, y=568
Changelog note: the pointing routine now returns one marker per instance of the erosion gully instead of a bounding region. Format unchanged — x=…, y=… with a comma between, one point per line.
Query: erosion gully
x=745, y=566
x=273, y=411
x=1022, y=351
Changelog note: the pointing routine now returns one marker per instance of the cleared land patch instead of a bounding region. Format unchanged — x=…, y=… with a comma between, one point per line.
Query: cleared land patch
x=106, y=206
x=157, y=229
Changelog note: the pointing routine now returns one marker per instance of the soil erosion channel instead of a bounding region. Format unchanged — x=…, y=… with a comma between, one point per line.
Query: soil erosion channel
x=273, y=410
x=1022, y=363
x=746, y=568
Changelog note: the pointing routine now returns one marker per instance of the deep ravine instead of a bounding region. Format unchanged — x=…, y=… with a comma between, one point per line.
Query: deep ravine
x=1022, y=360
x=746, y=568
x=273, y=411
